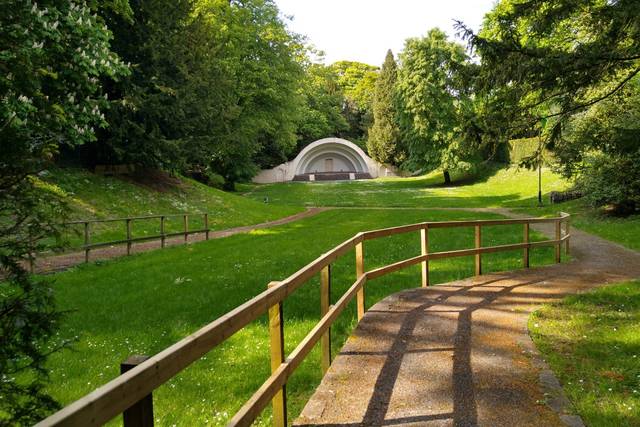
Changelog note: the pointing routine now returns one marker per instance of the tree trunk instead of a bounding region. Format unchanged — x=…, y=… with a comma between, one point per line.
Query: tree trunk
x=447, y=177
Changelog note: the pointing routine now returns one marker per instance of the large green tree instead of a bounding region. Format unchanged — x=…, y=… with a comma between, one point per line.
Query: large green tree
x=357, y=81
x=214, y=88
x=384, y=142
x=321, y=113
x=432, y=98
x=557, y=57
x=53, y=54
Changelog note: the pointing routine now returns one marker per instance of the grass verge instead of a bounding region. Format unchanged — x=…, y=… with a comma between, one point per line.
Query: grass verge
x=146, y=302
x=592, y=343
x=625, y=231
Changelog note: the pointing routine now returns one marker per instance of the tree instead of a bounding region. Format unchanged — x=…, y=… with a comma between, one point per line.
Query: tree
x=321, y=114
x=558, y=57
x=431, y=100
x=384, y=142
x=599, y=148
x=358, y=82
x=53, y=54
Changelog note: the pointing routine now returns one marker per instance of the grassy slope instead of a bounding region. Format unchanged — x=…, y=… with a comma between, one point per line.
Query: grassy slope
x=98, y=197
x=592, y=342
x=144, y=303
x=492, y=188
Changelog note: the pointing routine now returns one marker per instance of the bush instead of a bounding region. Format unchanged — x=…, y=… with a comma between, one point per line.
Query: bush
x=608, y=180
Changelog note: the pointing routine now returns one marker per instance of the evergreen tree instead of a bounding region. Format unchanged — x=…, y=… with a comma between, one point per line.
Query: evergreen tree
x=384, y=136
x=432, y=103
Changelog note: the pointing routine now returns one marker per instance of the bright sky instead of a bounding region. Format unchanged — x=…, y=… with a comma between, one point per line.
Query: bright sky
x=363, y=30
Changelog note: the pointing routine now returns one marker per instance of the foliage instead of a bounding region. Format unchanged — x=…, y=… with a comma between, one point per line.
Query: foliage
x=358, y=82
x=384, y=141
x=52, y=55
x=599, y=147
x=321, y=114
x=432, y=98
x=612, y=180
x=591, y=341
x=556, y=57
x=214, y=88
x=522, y=149
x=184, y=288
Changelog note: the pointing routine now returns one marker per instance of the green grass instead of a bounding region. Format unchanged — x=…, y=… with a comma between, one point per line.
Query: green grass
x=625, y=231
x=97, y=197
x=592, y=342
x=144, y=303
x=491, y=187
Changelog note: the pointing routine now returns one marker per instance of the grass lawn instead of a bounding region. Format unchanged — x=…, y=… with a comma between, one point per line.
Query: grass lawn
x=144, y=303
x=491, y=187
x=94, y=196
x=625, y=231
x=592, y=342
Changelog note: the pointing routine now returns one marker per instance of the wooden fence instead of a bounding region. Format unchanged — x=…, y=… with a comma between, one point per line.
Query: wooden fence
x=128, y=230
x=130, y=393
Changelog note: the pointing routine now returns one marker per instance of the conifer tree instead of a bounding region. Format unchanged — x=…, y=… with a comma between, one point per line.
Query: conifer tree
x=384, y=135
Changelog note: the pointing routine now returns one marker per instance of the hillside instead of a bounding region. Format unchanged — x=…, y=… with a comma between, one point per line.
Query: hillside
x=94, y=196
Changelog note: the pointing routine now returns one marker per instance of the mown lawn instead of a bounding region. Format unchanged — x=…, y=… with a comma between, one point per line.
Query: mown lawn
x=94, y=196
x=592, y=342
x=490, y=187
x=144, y=303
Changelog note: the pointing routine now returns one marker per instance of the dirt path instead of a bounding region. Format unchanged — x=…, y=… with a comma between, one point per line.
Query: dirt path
x=61, y=262
x=459, y=354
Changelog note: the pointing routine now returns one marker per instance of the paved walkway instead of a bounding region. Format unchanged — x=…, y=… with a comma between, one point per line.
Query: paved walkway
x=459, y=354
x=49, y=264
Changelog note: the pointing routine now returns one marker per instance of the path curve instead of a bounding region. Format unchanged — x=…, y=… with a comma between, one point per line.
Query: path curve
x=459, y=354
x=54, y=263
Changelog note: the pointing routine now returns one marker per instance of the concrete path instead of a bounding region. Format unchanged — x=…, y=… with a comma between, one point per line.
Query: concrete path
x=53, y=263
x=459, y=354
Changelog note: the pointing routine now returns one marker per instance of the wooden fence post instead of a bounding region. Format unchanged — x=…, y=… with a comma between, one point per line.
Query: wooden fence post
x=186, y=228
x=558, y=243
x=478, y=246
x=128, y=236
x=162, y=236
x=567, y=231
x=360, y=273
x=87, y=238
x=325, y=304
x=140, y=414
x=525, y=258
x=206, y=226
x=276, y=335
x=424, y=246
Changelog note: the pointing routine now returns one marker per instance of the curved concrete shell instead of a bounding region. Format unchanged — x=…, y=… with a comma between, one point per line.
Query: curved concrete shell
x=326, y=159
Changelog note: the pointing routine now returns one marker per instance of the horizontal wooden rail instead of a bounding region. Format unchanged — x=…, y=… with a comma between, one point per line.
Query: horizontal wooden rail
x=129, y=240
x=137, y=384
x=132, y=218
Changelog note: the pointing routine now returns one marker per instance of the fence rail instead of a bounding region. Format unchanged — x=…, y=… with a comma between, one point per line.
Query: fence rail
x=128, y=230
x=129, y=393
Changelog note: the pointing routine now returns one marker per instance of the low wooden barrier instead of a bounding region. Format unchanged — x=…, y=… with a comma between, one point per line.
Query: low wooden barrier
x=130, y=392
x=128, y=229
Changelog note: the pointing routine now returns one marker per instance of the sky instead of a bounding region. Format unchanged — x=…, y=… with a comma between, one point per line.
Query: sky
x=363, y=30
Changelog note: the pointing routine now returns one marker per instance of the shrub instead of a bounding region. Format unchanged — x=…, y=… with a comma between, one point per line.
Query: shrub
x=612, y=180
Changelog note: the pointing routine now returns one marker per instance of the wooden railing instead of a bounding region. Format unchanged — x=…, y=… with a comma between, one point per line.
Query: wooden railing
x=128, y=229
x=130, y=392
